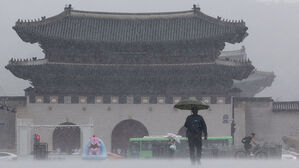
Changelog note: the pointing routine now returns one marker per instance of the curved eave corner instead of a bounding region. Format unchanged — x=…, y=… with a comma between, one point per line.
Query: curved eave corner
x=15, y=71
x=25, y=35
x=239, y=37
x=23, y=27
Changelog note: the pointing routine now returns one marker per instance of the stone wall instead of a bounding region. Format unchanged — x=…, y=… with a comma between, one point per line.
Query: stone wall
x=159, y=119
x=250, y=115
x=7, y=128
x=239, y=119
x=270, y=126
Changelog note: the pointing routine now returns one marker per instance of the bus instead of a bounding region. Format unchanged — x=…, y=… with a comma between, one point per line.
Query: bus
x=157, y=147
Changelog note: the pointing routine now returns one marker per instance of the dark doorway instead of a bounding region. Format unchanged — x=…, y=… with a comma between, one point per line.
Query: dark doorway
x=66, y=139
x=123, y=131
x=182, y=131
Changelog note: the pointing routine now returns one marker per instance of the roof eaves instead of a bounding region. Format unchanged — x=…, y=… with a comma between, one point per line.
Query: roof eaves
x=253, y=99
x=39, y=21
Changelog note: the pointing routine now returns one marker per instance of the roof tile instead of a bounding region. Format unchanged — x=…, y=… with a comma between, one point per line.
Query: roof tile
x=112, y=27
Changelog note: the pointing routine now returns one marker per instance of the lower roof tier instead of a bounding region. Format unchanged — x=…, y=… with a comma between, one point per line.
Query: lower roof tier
x=215, y=77
x=256, y=82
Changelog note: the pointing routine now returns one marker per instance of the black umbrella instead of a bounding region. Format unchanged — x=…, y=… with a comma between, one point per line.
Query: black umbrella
x=189, y=104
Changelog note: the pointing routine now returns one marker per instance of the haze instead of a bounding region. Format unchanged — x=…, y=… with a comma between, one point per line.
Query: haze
x=272, y=44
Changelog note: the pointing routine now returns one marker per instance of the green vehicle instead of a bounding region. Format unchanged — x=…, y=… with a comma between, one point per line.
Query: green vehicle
x=157, y=147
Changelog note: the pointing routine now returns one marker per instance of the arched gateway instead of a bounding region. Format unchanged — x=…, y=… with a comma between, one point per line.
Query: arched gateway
x=66, y=139
x=123, y=131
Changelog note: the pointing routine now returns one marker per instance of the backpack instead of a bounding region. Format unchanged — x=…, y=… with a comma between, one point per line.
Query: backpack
x=196, y=126
x=246, y=140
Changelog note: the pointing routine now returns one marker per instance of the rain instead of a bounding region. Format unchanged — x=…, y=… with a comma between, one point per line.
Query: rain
x=142, y=83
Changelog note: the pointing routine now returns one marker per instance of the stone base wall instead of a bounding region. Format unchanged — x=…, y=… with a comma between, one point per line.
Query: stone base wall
x=159, y=119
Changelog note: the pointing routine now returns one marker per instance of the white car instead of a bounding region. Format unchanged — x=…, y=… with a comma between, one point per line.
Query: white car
x=288, y=157
x=7, y=156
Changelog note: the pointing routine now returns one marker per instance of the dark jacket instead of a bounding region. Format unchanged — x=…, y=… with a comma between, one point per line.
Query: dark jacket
x=189, y=125
x=247, y=140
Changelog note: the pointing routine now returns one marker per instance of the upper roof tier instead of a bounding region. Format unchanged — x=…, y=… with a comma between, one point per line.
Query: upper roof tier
x=104, y=27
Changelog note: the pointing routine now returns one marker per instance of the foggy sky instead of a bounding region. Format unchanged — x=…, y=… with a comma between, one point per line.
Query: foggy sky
x=272, y=44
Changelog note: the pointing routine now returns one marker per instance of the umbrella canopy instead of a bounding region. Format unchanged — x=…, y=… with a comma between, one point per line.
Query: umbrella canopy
x=189, y=104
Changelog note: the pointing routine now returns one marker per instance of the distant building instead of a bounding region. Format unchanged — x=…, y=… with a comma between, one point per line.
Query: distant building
x=256, y=82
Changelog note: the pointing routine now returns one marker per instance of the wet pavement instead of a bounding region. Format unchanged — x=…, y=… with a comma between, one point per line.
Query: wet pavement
x=218, y=163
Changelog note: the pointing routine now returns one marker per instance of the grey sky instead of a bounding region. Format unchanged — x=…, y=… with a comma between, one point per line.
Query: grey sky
x=272, y=43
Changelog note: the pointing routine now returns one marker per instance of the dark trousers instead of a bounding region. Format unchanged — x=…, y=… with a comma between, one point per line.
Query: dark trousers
x=195, y=143
x=247, y=147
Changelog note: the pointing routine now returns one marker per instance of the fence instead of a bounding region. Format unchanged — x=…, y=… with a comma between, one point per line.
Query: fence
x=66, y=138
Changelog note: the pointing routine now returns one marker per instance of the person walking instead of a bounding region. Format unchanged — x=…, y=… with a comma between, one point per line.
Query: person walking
x=195, y=125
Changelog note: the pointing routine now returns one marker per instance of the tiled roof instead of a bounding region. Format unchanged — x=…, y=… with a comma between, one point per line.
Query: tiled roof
x=256, y=82
x=12, y=98
x=261, y=77
x=29, y=69
x=286, y=106
x=253, y=99
x=131, y=27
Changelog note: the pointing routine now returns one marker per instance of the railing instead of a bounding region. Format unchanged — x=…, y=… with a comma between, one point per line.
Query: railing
x=235, y=56
x=233, y=62
x=234, y=53
x=35, y=61
x=32, y=61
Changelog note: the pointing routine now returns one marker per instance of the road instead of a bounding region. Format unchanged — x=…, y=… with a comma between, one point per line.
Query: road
x=75, y=163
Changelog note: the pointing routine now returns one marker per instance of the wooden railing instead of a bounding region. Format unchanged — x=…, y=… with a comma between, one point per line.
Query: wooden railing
x=25, y=62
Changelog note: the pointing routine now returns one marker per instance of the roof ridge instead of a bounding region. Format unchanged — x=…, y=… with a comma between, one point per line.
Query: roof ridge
x=70, y=11
x=133, y=13
x=196, y=13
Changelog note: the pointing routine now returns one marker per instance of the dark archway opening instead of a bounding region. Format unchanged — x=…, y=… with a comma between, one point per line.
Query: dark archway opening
x=66, y=139
x=123, y=131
